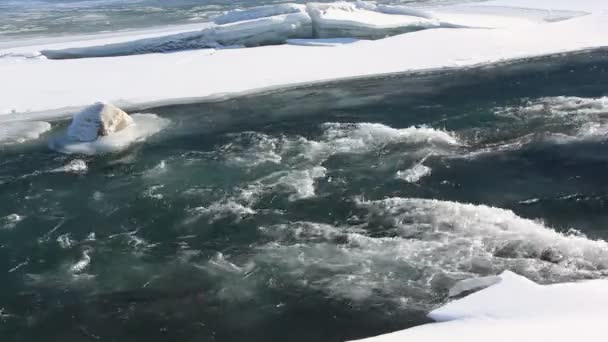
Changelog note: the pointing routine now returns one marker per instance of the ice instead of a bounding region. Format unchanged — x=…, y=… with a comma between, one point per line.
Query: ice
x=144, y=126
x=395, y=9
x=258, y=12
x=46, y=87
x=344, y=19
x=260, y=31
x=515, y=296
x=481, y=16
x=517, y=308
x=19, y=132
x=100, y=119
x=10, y=221
x=324, y=41
x=473, y=284
x=415, y=173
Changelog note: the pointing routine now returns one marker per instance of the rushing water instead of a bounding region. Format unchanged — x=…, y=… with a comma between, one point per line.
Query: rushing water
x=322, y=213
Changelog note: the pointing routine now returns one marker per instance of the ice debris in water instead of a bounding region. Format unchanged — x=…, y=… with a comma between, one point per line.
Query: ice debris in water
x=100, y=119
x=103, y=128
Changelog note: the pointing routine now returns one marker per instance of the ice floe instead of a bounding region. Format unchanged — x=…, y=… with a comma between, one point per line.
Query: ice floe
x=517, y=308
x=144, y=125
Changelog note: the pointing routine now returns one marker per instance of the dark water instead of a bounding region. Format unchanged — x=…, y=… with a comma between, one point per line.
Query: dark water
x=323, y=213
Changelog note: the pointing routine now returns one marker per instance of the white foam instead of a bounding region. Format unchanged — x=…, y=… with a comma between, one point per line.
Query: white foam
x=20, y=132
x=489, y=232
x=65, y=241
x=221, y=210
x=81, y=264
x=364, y=137
x=561, y=106
x=425, y=247
x=299, y=184
x=415, y=173
x=145, y=125
x=74, y=166
x=11, y=221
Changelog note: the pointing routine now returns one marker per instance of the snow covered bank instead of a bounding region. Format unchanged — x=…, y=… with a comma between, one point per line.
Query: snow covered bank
x=59, y=87
x=276, y=24
x=517, y=308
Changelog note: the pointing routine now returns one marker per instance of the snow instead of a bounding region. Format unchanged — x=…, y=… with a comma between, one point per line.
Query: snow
x=42, y=89
x=260, y=31
x=353, y=20
x=517, y=308
x=97, y=119
x=145, y=125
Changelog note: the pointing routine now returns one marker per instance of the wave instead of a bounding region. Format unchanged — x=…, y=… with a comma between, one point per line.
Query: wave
x=418, y=249
x=300, y=160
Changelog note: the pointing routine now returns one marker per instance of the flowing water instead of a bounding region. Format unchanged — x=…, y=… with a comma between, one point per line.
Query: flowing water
x=320, y=213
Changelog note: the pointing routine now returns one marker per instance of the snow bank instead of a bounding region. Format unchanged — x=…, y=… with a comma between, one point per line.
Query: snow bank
x=515, y=296
x=39, y=85
x=517, y=308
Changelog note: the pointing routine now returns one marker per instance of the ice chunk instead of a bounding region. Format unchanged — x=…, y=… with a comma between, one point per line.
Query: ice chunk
x=343, y=19
x=19, y=132
x=473, y=284
x=258, y=12
x=256, y=32
x=144, y=125
x=100, y=119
